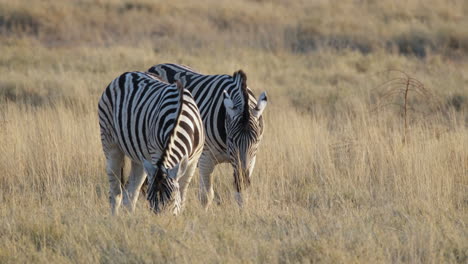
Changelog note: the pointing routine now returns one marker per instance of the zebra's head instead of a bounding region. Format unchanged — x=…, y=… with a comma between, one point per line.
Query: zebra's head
x=244, y=129
x=163, y=186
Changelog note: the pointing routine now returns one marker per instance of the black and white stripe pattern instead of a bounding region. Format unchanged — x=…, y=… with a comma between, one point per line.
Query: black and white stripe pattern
x=156, y=125
x=232, y=118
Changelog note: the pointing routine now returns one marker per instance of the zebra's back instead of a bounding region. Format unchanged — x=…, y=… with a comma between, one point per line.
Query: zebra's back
x=208, y=92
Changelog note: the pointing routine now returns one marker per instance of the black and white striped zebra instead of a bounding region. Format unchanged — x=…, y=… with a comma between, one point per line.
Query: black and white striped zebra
x=158, y=126
x=233, y=123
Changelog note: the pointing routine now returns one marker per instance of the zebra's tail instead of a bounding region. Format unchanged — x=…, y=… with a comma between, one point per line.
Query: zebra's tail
x=160, y=189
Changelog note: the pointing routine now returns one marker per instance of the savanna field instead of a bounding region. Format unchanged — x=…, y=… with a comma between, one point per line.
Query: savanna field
x=365, y=152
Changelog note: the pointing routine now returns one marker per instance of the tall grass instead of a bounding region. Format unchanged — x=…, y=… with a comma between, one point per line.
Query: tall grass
x=334, y=182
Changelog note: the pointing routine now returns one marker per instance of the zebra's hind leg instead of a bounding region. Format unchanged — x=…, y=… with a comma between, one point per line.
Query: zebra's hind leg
x=135, y=180
x=206, y=165
x=185, y=180
x=114, y=169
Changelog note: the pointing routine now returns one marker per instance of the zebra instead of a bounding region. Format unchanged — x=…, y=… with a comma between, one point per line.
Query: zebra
x=158, y=126
x=233, y=127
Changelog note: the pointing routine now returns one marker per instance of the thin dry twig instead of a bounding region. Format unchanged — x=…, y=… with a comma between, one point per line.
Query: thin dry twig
x=401, y=88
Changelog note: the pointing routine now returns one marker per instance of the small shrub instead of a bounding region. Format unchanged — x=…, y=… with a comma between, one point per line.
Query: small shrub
x=405, y=92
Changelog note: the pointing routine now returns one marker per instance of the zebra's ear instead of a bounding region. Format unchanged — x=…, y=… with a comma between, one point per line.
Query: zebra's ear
x=261, y=104
x=229, y=104
x=179, y=169
x=150, y=170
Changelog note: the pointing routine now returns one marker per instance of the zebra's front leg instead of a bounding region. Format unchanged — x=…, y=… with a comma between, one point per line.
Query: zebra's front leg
x=206, y=165
x=135, y=180
x=114, y=169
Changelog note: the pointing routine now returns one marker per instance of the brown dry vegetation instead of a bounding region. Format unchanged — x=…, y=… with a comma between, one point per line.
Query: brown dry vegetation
x=334, y=181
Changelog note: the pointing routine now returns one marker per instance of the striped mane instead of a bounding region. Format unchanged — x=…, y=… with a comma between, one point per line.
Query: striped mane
x=245, y=96
x=156, y=77
x=172, y=134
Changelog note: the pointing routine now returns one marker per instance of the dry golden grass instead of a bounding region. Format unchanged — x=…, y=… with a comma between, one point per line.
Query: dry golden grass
x=334, y=181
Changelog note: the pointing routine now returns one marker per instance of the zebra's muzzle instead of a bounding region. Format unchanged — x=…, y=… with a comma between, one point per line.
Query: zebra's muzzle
x=242, y=179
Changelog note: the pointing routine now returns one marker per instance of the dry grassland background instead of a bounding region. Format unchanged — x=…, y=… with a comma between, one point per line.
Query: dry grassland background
x=335, y=181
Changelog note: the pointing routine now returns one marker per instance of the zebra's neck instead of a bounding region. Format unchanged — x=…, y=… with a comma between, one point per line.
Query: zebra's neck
x=208, y=89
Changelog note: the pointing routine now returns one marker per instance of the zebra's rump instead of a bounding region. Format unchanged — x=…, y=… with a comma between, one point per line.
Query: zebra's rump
x=138, y=112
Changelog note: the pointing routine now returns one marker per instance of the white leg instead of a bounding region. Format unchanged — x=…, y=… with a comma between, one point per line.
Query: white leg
x=206, y=164
x=135, y=180
x=185, y=180
x=114, y=169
